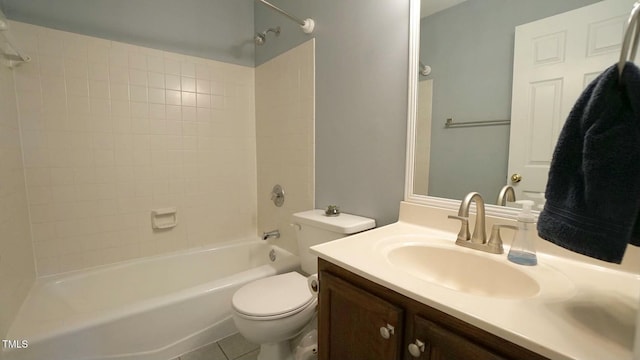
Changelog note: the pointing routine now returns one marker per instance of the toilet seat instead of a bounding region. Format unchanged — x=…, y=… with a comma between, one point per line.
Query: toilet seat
x=273, y=297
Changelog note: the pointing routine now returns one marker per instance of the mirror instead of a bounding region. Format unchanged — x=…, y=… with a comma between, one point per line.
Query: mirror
x=468, y=46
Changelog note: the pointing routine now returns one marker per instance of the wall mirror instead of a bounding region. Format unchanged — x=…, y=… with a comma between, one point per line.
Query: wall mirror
x=505, y=74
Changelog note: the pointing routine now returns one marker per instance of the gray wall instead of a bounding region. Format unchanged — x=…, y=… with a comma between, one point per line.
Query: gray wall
x=216, y=29
x=361, y=98
x=470, y=49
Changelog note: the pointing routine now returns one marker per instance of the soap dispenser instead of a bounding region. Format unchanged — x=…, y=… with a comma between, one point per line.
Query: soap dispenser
x=522, y=249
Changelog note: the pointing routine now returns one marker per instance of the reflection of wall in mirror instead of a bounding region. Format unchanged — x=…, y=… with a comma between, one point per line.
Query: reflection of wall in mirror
x=471, y=46
x=423, y=143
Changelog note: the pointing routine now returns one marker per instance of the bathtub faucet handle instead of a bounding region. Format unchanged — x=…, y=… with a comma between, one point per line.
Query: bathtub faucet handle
x=271, y=234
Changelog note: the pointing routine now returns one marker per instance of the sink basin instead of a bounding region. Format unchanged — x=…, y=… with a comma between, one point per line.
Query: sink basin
x=463, y=271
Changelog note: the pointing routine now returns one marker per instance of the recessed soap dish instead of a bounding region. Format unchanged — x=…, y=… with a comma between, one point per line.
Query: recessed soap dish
x=165, y=218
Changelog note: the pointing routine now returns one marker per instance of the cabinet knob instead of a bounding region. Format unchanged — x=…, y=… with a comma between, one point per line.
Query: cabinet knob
x=416, y=349
x=387, y=331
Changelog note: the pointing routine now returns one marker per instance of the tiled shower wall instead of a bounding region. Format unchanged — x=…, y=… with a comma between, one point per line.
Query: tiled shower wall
x=111, y=131
x=285, y=122
x=16, y=253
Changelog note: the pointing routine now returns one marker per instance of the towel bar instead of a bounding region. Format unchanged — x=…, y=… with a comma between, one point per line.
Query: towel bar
x=450, y=123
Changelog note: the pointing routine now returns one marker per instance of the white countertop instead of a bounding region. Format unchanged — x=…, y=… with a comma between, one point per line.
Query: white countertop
x=582, y=311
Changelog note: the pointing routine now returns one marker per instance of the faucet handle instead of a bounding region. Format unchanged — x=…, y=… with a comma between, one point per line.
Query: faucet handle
x=463, y=234
x=495, y=241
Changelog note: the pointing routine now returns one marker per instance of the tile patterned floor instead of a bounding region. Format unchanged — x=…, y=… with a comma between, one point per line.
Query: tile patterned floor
x=234, y=347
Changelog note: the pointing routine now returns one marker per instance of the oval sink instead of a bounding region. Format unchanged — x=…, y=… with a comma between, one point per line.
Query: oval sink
x=463, y=271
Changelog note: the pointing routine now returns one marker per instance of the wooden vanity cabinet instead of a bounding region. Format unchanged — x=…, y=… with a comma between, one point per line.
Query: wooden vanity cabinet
x=361, y=320
x=442, y=344
x=354, y=322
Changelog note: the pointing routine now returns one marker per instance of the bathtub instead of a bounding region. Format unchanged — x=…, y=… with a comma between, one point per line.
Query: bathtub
x=147, y=309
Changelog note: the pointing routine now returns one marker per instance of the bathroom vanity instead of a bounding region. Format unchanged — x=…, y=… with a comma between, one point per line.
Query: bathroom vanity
x=359, y=319
x=406, y=291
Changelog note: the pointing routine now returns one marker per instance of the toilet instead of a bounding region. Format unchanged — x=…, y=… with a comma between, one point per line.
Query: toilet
x=274, y=310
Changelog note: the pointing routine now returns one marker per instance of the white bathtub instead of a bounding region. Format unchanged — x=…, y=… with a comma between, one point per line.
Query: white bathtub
x=148, y=309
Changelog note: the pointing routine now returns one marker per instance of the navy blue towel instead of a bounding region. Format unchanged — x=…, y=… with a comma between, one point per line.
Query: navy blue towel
x=593, y=191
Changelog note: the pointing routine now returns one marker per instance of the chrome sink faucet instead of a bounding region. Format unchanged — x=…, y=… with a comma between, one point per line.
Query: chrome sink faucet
x=479, y=234
x=478, y=240
x=507, y=193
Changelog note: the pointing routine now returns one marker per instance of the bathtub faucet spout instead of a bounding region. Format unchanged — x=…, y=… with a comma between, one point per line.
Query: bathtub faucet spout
x=271, y=234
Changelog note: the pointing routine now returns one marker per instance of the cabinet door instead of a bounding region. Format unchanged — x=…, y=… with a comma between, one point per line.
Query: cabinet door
x=442, y=344
x=350, y=322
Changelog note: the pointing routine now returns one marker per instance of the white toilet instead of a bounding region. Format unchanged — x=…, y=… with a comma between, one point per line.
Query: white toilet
x=274, y=310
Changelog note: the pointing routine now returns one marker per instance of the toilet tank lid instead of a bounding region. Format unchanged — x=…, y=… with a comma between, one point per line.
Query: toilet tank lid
x=342, y=224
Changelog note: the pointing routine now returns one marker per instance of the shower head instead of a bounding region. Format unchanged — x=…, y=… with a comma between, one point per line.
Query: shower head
x=261, y=37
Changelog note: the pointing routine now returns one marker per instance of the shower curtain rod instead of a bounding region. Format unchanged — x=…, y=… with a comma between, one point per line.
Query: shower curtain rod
x=307, y=25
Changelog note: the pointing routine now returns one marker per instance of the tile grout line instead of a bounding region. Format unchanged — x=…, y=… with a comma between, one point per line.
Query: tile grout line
x=222, y=350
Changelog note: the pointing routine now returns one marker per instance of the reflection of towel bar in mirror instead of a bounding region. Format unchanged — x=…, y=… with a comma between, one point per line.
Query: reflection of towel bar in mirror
x=450, y=123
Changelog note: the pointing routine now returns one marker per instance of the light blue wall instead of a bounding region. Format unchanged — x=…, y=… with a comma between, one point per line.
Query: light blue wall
x=470, y=49
x=361, y=97
x=216, y=29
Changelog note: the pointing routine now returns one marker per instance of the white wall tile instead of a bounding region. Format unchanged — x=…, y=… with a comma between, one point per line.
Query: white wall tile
x=173, y=97
x=77, y=104
x=156, y=80
x=77, y=86
x=139, y=109
x=218, y=88
x=188, y=98
x=173, y=82
x=188, y=69
x=158, y=110
x=75, y=46
x=118, y=74
x=111, y=130
x=202, y=71
x=118, y=55
x=17, y=269
x=138, y=61
x=137, y=77
x=49, y=42
x=97, y=71
x=120, y=108
x=27, y=82
x=186, y=114
x=155, y=64
x=188, y=84
x=138, y=93
x=203, y=86
x=171, y=66
x=203, y=100
x=99, y=89
x=51, y=65
x=283, y=157
x=98, y=50
x=156, y=96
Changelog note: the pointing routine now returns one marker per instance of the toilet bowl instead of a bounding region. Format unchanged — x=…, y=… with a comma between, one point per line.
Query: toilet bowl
x=274, y=310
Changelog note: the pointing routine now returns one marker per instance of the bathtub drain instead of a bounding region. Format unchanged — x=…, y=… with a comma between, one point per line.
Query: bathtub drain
x=272, y=255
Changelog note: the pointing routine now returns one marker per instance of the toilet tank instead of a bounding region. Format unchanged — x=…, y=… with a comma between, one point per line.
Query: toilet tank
x=316, y=228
